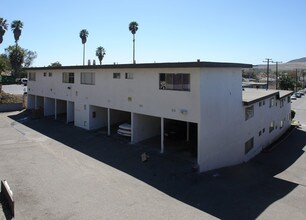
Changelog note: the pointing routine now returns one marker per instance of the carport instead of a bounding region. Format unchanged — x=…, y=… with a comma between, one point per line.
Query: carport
x=117, y=117
x=70, y=111
x=39, y=102
x=144, y=127
x=179, y=135
x=49, y=107
x=60, y=109
x=98, y=117
x=31, y=101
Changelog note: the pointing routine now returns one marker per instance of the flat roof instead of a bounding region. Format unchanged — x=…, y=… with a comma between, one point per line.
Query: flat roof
x=150, y=65
x=251, y=96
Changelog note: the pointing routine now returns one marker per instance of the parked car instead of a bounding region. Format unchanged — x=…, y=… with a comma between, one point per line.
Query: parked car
x=298, y=95
x=24, y=81
x=293, y=97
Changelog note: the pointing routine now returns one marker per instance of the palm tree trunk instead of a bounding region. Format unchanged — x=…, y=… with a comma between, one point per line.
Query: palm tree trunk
x=83, y=54
x=134, y=61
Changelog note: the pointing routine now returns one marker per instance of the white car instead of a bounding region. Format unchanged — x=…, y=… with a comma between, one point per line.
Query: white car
x=24, y=81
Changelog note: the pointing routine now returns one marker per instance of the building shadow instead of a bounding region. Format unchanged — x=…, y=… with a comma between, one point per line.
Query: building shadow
x=238, y=192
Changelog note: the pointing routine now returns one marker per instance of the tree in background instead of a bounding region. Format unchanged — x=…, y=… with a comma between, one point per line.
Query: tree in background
x=4, y=63
x=83, y=35
x=3, y=28
x=16, y=27
x=286, y=83
x=19, y=57
x=133, y=27
x=55, y=64
x=100, y=52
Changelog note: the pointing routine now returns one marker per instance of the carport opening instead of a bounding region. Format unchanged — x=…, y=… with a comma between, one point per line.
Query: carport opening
x=120, y=121
x=61, y=110
x=181, y=136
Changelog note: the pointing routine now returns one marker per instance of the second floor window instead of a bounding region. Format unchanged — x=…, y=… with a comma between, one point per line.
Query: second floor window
x=174, y=81
x=249, y=112
x=88, y=78
x=32, y=76
x=68, y=77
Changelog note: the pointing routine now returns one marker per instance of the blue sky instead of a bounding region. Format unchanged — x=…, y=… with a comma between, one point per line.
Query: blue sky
x=241, y=31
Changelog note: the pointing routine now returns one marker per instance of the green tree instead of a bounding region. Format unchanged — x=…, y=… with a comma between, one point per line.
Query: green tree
x=286, y=83
x=19, y=57
x=100, y=52
x=55, y=64
x=133, y=27
x=3, y=28
x=83, y=35
x=16, y=27
x=4, y=63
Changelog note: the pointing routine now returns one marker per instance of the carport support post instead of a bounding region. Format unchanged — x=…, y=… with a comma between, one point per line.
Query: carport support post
x=162, y=135
x=55, y=109
x=187, y=139
x=108, y=122
x=35, y=105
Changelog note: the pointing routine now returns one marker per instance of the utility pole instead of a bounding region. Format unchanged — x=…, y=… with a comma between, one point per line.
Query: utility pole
x=276, y=73
x=303, y=71
x=296, y=79
x=268, y=60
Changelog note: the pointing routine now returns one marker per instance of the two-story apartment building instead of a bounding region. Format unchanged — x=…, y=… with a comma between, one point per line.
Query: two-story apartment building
x=231, y=125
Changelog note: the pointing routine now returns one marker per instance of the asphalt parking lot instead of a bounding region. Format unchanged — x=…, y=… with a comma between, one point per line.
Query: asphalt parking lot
x=58, y=171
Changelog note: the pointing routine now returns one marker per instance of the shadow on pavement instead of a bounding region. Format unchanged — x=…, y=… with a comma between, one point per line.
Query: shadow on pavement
x=239, y=192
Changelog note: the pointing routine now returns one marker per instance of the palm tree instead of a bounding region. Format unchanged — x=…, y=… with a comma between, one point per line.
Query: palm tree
x=16, y=26
x=83, y=36
x=3, y=28
x=133, y=27
x=100, y=52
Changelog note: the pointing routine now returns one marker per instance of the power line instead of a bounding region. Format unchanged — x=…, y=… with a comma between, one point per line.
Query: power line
x=268, y=60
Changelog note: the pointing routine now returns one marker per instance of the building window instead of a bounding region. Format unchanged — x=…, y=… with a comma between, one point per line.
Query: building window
x=281, y=103
x=50, y=74
x=259, y=133
x=129, y=75
x=271, y=127
x=116, y=75
x=45, y=74
x=88, y=78
x=259, y=104
x=174, y=81
x=248, y=145
x=272, y=100
x=249, y=112
x=281, y=124
x=68, y=77
x=288, y=99
x=263, y=102
x=32, y=76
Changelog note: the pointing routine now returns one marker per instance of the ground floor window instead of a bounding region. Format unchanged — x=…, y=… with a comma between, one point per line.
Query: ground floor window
x=248, y=145
x=174, y=81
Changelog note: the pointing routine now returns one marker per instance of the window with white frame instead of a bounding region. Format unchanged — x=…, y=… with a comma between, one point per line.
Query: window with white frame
x=248, y=145
x=68, y=77
x=272, y=100
x=129, y=75
x=174, y=81
x=116, y=75
x=32, y=76
x=271, y=127
x=249, y=112
x=88, y=78
x=281, y=124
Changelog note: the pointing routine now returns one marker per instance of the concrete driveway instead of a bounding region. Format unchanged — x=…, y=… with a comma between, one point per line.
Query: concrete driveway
x=58, y=171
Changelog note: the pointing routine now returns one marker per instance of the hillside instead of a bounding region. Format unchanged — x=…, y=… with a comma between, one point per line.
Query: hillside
x=300, y=60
